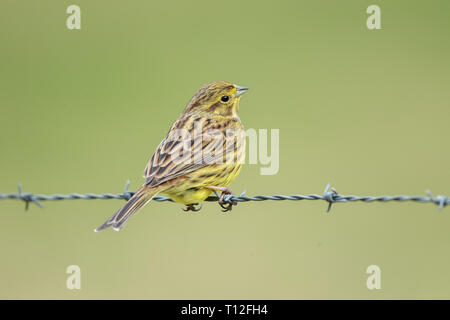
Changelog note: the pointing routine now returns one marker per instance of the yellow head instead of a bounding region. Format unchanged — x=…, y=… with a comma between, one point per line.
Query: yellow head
x=218, y=98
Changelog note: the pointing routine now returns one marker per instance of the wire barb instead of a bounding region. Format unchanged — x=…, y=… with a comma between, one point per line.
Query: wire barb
x=329, y=195
x=27, y=198
x=126, y=193
x=441, y=201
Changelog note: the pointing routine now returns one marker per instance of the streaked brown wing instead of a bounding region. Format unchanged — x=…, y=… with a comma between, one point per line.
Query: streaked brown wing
x=177, y=156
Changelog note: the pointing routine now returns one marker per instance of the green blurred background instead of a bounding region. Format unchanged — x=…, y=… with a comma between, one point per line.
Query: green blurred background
x=367, y=111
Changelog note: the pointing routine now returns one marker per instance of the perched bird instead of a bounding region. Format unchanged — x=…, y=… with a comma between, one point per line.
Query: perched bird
x=202, y=153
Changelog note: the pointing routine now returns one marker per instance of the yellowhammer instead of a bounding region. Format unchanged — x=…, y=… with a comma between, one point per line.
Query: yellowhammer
x=202, y=152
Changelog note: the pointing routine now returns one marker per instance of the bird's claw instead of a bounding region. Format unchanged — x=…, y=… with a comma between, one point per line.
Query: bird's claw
x=191, y=207
x=226, y=205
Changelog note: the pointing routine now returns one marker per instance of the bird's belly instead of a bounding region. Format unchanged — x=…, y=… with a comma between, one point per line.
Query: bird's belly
x=192, y=189
x=189, y=196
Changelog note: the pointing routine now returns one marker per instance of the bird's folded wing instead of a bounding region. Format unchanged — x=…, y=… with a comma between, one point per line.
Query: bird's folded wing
x=175, y=158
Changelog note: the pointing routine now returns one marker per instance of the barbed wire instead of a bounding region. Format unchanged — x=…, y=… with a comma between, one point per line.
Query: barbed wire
x=329, y=195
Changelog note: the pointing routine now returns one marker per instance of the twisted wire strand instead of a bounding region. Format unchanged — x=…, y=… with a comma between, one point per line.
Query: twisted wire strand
x=329, y=195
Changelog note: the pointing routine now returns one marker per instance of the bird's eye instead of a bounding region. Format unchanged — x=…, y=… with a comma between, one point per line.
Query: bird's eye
x=225, y=98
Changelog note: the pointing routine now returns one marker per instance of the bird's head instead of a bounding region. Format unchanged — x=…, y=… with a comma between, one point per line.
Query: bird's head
x=218, y=98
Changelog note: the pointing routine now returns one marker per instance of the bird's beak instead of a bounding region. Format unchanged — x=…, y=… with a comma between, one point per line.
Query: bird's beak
x=240, y=90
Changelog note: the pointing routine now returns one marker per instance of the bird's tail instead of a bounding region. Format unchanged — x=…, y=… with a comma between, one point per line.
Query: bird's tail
x=137, y=201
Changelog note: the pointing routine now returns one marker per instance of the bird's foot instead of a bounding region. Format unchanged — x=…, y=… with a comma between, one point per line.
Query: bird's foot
x=225, y=205
x=192, y=207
